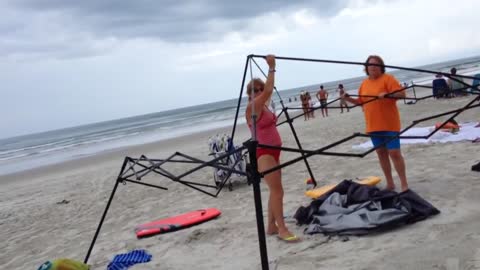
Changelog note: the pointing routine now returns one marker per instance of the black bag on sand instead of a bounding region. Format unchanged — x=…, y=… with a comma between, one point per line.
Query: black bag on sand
x=476, y=167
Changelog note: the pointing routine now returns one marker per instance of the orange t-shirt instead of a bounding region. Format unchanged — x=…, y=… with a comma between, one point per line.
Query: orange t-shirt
x=381, y=114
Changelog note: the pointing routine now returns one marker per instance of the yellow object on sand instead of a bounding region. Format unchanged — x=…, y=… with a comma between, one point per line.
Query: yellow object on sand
x=64, y=264
x=317, y=192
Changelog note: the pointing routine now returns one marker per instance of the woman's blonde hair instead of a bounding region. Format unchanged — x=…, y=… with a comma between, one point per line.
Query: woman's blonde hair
x=253, y=84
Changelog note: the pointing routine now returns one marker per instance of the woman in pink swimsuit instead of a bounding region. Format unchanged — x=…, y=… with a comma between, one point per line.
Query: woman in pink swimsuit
x=259, y=94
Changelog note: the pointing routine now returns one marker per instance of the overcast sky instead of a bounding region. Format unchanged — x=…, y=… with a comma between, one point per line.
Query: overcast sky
x=70, y=62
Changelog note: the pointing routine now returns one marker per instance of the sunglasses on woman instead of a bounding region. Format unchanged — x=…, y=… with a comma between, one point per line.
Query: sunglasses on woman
x=256, y=90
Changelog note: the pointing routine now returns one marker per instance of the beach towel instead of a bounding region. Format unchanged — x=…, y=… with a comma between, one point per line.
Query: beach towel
x=124, y=261
x=467, y=132
x=63, y=264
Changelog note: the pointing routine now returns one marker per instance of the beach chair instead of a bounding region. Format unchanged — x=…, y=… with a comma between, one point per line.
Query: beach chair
x=475, y=83
x=220, y=145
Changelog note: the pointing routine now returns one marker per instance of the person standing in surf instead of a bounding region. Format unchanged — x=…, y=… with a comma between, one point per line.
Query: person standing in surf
x=456, y=86
x=322, y=96
x=310, y=110
x=382, y=117
x=304, y=100
x=343, y=103
x=259, y=94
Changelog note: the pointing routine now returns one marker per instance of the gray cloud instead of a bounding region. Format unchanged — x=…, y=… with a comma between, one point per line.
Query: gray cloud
x=172, y=21
x=165, y=19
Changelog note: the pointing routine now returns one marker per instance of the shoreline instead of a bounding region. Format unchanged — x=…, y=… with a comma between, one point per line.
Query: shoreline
x=117, y=154
x=138, y=149
x=37, y=169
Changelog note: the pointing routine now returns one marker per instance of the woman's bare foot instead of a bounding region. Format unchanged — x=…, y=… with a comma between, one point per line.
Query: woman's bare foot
x=285, y=233
x=404, y=188
x=287, y=236
x=390, y=187
x=272, y=229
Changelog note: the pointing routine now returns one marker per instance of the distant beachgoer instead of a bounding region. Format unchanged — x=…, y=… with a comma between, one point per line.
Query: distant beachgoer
x=382, y=117
x=310, y=106
x=272, y=104
x=259, y=93
x=304, y=100
x=322, y=96
x=343, y=103
x=456, y=87
x=439, y=86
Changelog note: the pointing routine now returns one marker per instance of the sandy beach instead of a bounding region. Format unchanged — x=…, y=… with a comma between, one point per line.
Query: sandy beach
x=36, y=227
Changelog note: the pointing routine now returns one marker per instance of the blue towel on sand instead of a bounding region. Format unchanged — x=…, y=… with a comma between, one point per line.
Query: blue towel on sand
x=124, y=261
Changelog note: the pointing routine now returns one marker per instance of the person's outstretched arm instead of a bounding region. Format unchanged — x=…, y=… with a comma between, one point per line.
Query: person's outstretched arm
x=348, y=98
x=261, y=99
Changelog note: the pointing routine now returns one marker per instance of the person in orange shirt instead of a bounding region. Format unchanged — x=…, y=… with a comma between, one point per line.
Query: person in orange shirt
x=322, y=96
x=380, y=91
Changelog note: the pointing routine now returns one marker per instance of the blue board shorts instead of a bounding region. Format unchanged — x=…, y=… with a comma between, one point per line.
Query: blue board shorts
x=392, y=144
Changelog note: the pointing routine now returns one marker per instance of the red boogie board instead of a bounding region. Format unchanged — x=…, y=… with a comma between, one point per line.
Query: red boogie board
x=177, y=222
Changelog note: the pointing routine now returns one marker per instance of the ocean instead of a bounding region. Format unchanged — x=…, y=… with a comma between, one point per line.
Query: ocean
x=36, y=150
